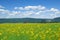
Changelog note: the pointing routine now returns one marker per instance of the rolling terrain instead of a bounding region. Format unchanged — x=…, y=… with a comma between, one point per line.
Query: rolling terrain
x=29, y=20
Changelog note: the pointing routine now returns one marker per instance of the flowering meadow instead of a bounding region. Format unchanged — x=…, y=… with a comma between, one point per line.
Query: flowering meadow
x=30, y=31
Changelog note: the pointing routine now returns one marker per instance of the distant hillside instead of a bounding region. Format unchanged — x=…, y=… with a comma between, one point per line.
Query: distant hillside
x=56, y=19
x=28, y=20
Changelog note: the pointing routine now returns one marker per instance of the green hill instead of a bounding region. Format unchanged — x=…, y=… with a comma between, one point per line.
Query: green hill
x=28, y=20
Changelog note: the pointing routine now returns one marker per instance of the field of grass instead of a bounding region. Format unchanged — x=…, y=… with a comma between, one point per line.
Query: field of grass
x=30, y=31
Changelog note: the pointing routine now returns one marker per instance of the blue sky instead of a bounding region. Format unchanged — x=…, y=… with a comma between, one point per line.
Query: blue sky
x=29, y=8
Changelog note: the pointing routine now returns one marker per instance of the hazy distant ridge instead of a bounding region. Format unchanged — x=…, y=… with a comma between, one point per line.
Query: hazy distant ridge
x=28, y=20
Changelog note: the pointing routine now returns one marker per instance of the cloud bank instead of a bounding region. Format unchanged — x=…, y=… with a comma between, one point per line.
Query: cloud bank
x=29, y=12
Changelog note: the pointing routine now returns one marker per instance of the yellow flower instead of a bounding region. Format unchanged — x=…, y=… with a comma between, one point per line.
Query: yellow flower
x=36, y=36
x=32, y=33
x=48, y=30
x=58, y=38
x=59, y=29
x=0, y=33
x=5, y=38
x=22, y=32
x=27, y=32
x=18, y=34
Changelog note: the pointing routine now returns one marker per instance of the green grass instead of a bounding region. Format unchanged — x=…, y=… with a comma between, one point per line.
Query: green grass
x=30, y=31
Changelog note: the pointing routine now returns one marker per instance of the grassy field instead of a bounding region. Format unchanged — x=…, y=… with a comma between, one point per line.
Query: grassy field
x=30, y=31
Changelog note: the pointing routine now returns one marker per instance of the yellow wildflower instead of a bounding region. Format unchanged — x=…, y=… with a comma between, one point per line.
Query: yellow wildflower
x=32, y=33
x=0, y=33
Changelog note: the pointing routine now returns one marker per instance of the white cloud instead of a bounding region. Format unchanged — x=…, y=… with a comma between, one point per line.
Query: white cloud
x=1, y=6
x=39, y=12
x=15, y=7
x=4, y=11
x=31, y=12
x=54, y=10
x=14, y=13
x=39, y=7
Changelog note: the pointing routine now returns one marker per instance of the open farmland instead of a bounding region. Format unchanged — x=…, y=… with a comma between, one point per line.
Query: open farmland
x=30, y=31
